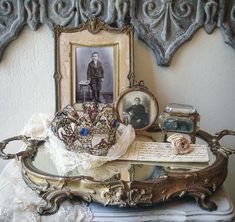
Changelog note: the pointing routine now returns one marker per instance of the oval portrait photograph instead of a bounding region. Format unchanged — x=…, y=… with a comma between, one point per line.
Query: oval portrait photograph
x=138, y=107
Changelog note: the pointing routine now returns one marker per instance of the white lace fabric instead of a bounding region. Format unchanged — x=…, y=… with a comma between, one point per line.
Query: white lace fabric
x=19, y=203
x=71, y=163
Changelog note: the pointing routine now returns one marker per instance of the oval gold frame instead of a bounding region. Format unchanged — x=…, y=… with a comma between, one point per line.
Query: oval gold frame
x=143, y=90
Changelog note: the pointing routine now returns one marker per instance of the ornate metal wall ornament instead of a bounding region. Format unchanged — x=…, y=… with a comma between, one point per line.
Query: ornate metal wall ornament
x=227, y=21
x=68, y=13
x=72, y=13
x=11, y=21
x=118, y=11
x=33, y=16
x=211, y=10
x=165, y=25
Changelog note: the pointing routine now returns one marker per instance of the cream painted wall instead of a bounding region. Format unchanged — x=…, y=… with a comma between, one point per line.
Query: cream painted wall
x=202, y=73
x=26, y=81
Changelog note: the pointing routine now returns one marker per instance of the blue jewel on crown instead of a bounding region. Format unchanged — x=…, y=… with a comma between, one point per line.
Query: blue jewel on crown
x=92, y=131
x=84, y=132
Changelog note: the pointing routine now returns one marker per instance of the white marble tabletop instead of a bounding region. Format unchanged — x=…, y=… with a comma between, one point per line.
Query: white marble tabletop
x=185, y=209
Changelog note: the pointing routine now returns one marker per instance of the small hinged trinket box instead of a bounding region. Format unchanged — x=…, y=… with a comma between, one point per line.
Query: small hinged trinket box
x=180, y=118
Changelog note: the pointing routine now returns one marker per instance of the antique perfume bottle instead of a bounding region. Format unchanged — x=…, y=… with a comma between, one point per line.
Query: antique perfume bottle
x=179, y=118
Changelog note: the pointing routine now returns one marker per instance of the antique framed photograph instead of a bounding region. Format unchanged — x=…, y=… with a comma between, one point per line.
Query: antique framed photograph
x=94, y=62
x=138, y=107
x=96, y=73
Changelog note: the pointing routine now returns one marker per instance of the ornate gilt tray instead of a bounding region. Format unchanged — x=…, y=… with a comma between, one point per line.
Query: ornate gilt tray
x=158, y=184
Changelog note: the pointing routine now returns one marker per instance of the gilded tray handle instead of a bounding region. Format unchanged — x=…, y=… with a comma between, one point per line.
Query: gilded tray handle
x=25, y=139
x=218, y=136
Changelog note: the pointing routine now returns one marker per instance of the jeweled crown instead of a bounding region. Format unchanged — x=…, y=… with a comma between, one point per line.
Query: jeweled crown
x=92, y=131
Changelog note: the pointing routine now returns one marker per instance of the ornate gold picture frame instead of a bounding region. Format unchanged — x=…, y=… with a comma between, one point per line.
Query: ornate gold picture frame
x=137, y=106
x=74, y=52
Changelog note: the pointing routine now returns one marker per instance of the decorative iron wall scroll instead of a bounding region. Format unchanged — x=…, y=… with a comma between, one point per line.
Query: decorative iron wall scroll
x=227, y=22
x=164, y=25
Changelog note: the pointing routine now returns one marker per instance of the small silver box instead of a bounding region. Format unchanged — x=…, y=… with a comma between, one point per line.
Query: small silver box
x=180, y=118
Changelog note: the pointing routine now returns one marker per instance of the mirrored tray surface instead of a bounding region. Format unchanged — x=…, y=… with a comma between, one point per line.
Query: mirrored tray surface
x=125, y=183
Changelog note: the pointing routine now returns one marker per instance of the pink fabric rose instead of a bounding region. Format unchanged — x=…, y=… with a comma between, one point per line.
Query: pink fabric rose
x=180, y=145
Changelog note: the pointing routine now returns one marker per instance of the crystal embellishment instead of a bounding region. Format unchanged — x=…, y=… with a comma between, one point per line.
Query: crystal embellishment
x=84, y=132
x=115, y=123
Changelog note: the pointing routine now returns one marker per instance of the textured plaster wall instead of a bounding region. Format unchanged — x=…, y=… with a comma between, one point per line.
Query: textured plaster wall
x=26, y=81
x=202, y=73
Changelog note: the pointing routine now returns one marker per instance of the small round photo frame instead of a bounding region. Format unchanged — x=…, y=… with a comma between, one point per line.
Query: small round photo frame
x=138, y=107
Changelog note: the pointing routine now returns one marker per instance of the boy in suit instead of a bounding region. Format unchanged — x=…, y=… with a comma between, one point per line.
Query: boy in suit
x=95, y=74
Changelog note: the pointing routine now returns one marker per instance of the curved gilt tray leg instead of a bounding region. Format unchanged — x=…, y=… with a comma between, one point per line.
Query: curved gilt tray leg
x=205, y=203
x=202, y=197
x=52, y=201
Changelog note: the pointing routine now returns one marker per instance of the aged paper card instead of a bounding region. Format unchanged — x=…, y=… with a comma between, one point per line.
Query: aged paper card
x=162, y=152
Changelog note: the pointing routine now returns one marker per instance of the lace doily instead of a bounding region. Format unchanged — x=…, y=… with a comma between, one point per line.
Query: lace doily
x=18, y=203
x=68, y=163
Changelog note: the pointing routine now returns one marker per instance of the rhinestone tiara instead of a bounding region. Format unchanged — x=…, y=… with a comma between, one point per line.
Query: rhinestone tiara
x=92, y=131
